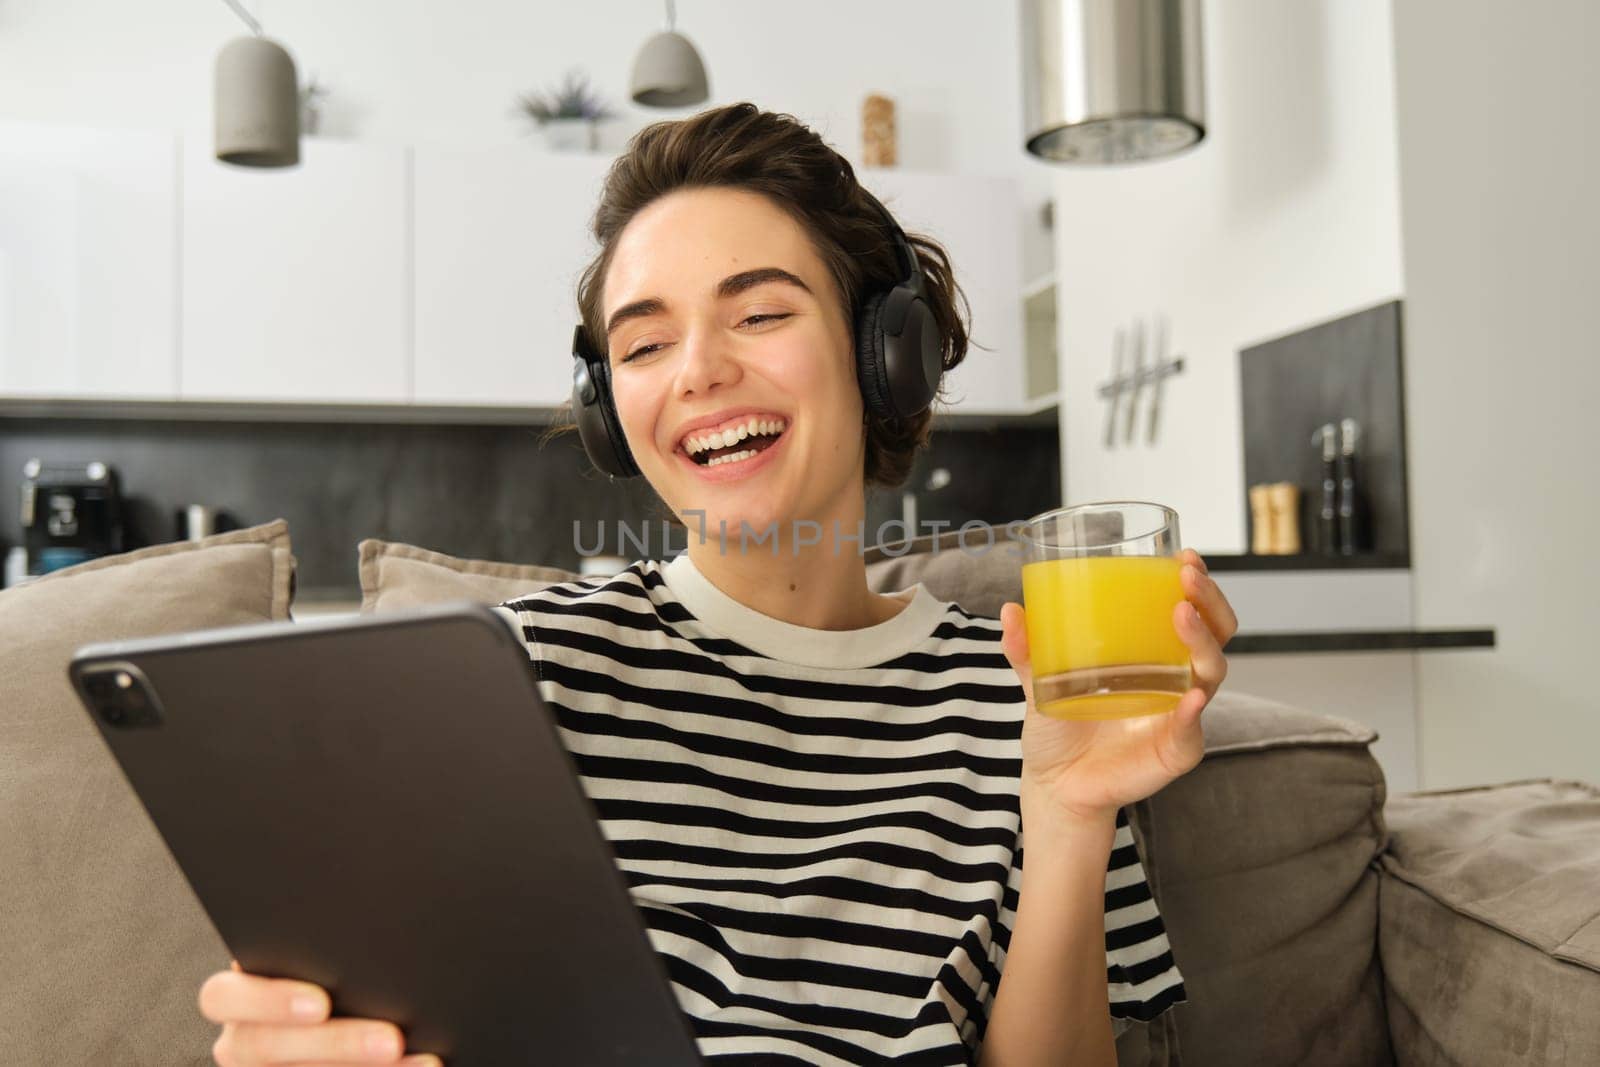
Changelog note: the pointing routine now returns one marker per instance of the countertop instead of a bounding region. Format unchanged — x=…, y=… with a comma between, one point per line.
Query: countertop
x=1249, y=561
x=311, y=603
x=1360, y=641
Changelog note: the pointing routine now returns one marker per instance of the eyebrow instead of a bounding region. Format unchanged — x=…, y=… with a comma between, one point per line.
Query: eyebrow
x=732, y=285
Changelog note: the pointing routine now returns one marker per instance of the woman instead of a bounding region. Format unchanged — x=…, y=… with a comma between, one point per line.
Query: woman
x=814, y=790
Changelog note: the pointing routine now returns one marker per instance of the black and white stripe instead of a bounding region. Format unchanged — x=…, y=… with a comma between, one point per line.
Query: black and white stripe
x=828, y=859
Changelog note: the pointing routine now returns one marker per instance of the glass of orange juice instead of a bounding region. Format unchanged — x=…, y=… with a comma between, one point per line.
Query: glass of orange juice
x=1099, y=585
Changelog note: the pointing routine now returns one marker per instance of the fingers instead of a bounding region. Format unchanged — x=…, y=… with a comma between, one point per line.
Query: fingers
x=1203, y=590
x=233, y=996
x=1185, y=741
x=335, y=1041
x=1014, y=643
x=1190, y=705
x=1209, y=665
x=1206, y=624
x=281, y=1021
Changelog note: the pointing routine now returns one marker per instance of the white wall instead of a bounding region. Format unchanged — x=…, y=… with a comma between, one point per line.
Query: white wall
x=1496, y=106
x=427, y=71
x=1288, y=214
x=1284, y=216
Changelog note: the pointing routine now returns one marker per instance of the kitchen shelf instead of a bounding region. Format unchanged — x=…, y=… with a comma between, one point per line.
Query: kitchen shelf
x=1226, y=561
x=272, y=411
x=1042, y=412
x=1360, y=641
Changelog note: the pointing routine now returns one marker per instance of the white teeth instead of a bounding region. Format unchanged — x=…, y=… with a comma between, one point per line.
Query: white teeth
x=725, y=438
x=731, y=457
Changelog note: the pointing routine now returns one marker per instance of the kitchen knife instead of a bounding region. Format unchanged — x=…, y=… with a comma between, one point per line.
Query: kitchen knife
x=1161, y=378
x=1137, y=382
x=1113, y=388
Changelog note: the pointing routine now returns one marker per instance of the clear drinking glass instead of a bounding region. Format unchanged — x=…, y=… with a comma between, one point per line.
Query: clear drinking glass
x=1099, y=585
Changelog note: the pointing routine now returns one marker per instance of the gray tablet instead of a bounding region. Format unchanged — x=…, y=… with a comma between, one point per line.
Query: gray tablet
x=382, y=805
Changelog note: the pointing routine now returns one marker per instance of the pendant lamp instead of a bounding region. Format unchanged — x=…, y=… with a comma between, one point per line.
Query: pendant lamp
x=668, y=72
x=1112, y=81
x=257, y=101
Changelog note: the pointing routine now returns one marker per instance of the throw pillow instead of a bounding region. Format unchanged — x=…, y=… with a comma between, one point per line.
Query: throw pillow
x=105, y=945
x=396, y=576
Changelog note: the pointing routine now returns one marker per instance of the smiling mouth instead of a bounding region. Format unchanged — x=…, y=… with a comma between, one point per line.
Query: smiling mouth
x=743, y=446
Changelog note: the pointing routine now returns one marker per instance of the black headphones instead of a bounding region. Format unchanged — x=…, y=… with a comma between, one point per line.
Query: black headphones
x=899, y=357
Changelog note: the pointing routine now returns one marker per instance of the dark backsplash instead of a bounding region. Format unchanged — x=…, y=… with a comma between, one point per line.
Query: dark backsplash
x=483, y=492
x=1351, y=366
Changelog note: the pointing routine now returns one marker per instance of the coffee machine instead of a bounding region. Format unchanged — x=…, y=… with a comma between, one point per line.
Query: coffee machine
x=71, y=513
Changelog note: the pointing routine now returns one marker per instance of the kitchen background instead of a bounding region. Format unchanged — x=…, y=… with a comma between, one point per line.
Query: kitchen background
x=481, y=492
x=1354, y=159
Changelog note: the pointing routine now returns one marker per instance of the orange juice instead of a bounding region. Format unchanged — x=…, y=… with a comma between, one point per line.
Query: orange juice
x=1101, y=636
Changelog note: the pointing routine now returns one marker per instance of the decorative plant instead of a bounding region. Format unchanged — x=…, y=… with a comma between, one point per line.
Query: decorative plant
x=312, y=94
x=571, y=100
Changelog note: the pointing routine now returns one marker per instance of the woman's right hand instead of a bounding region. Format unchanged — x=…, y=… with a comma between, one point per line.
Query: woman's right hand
x=279, y=1020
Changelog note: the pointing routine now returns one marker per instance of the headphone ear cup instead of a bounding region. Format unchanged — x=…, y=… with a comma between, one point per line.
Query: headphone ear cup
x=625, y=466
x=870, y=370
x=903, y=373
x=914, y=360
x=598, y=426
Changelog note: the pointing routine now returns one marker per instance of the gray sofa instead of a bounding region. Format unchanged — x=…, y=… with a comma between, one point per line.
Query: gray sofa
x=1316, y=920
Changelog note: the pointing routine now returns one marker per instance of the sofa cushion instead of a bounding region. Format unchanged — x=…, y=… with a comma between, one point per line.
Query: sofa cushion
x=1263, y=870
x=980, y=568
x=105, y=946
x=395, y=576
x=980, y=578
x=1488, y=930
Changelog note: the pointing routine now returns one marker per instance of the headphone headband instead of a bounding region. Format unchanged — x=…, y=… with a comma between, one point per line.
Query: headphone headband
x=905, y=256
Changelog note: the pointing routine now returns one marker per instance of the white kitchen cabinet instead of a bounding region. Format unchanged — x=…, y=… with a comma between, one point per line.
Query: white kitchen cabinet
x=88, y=262
x=135, y=267
x=977, y=219
x=502, y=235
x=297, y=281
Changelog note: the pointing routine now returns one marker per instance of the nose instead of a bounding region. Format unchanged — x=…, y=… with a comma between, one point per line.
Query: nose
x=706, y=362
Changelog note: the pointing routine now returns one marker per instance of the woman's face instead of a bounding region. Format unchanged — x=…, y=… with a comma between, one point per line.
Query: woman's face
x=720, y=315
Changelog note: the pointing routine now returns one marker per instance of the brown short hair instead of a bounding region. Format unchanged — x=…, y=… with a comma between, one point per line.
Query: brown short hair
x=775, y=155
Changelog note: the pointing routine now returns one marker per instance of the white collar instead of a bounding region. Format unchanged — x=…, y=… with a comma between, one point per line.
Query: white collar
x=803, y=645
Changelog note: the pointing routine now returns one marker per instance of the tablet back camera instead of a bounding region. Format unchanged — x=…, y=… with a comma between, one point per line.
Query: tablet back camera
x=122, y=696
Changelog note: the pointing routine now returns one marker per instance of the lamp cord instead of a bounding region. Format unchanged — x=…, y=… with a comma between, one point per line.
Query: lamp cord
x=249, y=19
x=672, y=16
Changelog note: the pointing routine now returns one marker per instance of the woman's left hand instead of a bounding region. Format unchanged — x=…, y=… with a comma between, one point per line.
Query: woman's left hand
x=1087, y=769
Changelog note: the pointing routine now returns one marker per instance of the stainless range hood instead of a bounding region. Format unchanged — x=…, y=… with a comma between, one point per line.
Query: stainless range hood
x=1112, y=81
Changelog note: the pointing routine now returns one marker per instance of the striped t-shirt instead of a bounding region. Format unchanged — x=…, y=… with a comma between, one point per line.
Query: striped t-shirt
x=820, y=828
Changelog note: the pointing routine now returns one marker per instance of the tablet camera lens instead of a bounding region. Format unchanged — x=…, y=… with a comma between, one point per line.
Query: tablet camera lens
x=122, y=698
